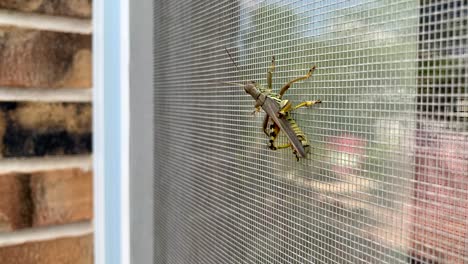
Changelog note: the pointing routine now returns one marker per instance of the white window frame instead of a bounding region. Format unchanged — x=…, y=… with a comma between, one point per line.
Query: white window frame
x=123, y=131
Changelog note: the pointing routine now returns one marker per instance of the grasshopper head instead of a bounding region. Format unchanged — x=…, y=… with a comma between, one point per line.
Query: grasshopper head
x=251, y=88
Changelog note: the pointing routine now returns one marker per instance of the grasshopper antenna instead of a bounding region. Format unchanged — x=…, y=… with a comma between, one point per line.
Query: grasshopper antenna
x=237, y=69
x=232, y=59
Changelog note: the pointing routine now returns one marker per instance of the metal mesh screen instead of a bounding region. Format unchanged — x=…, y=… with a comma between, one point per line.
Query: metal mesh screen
x=386, y=180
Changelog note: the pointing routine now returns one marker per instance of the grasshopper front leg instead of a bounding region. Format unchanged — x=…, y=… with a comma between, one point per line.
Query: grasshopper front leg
x=257, y=110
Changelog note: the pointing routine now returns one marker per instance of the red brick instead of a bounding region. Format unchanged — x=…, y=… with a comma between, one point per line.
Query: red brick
x=74, y=250
x=15, y=204
x=31, y=58
x=76, y=8
x=61, y=196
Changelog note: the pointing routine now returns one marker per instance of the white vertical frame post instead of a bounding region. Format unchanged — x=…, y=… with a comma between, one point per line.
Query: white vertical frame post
x=111, y=131
x=125, y=129
x=98, y=133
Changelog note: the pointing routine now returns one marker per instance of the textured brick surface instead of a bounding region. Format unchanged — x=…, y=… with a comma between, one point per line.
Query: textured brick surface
x=77, y=8
x=31, y=58
x=75, y=250
x=38, y=129
x=61, y=196
x=15, y=206
x=42, y=59
x=45, y=198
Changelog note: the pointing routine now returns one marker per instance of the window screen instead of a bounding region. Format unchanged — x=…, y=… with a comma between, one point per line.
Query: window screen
x=386, y=178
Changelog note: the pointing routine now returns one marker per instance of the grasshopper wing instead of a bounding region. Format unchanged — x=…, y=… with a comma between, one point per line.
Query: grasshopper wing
x=272, y=108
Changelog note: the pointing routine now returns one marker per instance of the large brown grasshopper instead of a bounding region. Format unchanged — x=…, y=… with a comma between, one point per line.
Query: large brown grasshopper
x=278, y=112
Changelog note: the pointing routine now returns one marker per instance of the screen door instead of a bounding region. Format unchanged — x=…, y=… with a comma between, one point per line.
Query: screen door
x=385, y=180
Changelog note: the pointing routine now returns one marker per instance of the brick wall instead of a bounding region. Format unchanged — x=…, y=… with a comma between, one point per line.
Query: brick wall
x=45, y=132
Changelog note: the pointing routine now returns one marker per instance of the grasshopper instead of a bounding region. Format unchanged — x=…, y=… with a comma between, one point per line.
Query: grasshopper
x=278, y=111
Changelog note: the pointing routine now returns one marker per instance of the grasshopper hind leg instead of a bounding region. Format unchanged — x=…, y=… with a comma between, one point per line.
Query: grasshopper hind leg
x=273, y=134
x=274, y=131
x=306, y=104
x=288, y=85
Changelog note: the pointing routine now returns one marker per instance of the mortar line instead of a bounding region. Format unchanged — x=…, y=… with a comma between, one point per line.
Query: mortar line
x=26, y=165
x=45, y=22
x=37, y=234
x=14, y=94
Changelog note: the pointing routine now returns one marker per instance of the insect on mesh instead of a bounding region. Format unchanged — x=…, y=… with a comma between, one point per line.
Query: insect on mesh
x=386, y=179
